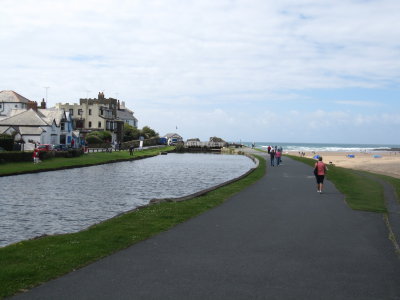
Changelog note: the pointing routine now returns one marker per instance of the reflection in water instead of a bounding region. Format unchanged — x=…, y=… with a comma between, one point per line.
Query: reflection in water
x=71, y=200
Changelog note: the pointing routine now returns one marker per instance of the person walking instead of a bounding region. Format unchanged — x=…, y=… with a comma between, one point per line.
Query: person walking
x=131, y=149
x=272, y=157
x=278, y=157
x=320, y=170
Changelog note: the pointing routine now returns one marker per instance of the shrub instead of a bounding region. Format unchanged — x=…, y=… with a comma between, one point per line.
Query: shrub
x=180, y=148
x=15, y=156
x=93, y=139
x=46, y=155
x=104, y=136
x=6, y=141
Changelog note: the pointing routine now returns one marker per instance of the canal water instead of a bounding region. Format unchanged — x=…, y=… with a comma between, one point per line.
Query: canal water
x=67, y=201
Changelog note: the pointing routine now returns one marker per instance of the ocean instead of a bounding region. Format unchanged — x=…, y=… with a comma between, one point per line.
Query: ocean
x=319, y=147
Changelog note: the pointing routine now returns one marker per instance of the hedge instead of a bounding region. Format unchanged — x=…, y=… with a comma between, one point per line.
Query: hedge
x=18, y=156
x=15, y=156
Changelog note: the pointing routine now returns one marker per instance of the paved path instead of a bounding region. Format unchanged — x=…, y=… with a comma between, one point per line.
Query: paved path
x=278, y=239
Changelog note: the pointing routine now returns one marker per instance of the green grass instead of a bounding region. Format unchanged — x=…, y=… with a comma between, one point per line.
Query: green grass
x=362, y=193
x=393, y=181
x=29, y=263
x=84, y=160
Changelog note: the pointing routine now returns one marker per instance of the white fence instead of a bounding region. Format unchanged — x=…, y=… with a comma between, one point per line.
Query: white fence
x=194, y=144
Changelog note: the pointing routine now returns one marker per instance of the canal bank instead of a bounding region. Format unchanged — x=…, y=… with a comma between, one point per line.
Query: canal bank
x=53, y=256
x=87, y=160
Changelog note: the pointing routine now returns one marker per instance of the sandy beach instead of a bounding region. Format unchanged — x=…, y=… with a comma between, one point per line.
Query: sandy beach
x=387, y=164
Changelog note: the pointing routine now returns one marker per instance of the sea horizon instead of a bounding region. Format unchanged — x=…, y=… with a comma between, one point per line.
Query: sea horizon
x=330, y=147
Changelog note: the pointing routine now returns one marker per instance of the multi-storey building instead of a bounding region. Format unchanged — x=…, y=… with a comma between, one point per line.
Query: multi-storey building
x=96, y=114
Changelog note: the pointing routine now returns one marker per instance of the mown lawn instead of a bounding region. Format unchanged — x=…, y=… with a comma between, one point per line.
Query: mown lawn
x=84, y=160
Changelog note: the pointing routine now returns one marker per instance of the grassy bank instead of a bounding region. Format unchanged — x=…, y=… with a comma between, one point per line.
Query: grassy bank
x=29, y=263
x=361, y=193
x=84, y=160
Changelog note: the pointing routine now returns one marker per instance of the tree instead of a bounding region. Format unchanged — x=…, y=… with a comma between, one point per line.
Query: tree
x=130, y=133
x=104, y=136
x=147, y=132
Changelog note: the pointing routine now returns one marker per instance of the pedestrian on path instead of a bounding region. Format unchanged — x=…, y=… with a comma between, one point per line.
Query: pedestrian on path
x=278, y=157
x=272, y=156
x=320, y=170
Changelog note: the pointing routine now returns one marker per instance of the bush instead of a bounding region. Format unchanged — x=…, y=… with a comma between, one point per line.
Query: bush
x=69, y=153
x=104, y=136
x=46, y=155
x=180, y=147
x=93, y=139
x=6, y=142
x=15, y=156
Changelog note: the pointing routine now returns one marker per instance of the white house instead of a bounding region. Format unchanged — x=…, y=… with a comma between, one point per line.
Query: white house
x=10, y=100
x=45, y=126
x=173, y=138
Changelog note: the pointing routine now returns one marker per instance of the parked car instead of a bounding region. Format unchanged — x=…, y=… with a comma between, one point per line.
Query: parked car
x=44, y=148
x=60, y=147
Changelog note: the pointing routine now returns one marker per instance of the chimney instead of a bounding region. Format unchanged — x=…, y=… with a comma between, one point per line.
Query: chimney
x=43, y=104
x=32, y=105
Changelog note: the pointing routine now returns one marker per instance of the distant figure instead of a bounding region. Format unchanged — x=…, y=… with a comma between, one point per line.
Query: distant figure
x=119, y=146
x=131, y=149
x=278, y=155
x=280, y=150
x=35, y=156
x=269, y=149
x=272, y=157
x=320, y=171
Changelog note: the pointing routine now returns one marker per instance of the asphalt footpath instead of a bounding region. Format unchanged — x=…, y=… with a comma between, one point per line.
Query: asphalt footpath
x=277, y=239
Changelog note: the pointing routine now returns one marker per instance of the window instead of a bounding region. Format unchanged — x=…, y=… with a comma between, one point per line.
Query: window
x=16, y=105
x=101, y=111
x=62, y=128
x=90, y=112
x=71, y=111
x=99, y=124
x=80, y=112
x=90, y=124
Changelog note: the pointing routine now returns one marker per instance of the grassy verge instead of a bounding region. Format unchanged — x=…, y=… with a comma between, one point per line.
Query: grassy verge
x=393, y=181
x=84, y=160
x=29, y=263
x=361, y=193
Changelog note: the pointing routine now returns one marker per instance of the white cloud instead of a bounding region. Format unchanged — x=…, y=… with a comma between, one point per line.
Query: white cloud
x=194, y=58
x=359, y=103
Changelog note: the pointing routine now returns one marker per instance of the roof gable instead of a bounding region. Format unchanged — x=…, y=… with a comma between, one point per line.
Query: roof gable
x=11, y=97
x=25, y=118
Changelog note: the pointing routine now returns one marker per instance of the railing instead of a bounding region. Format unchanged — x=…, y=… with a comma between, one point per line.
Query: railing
x=195, y=144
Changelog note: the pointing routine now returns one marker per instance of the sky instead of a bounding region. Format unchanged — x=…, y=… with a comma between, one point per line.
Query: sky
x=243, y=70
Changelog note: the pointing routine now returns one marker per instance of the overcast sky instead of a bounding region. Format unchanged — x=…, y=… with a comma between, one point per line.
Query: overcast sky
x=279, y=71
